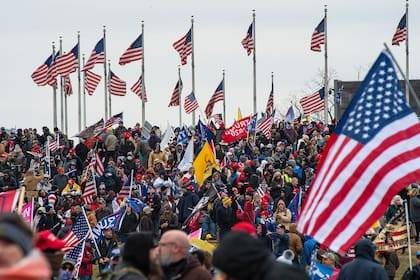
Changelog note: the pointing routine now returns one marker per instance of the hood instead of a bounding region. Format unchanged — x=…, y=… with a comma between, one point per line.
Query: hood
x=365, y=249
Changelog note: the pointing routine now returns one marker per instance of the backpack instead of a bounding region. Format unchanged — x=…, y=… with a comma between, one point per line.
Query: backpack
x=410, y=275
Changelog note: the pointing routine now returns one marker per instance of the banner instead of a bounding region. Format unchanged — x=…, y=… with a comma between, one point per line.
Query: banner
x=27, y=212
x=113, y=221
x=394, y=235
x=204, y=164
x=8, y=200
x=237, y=131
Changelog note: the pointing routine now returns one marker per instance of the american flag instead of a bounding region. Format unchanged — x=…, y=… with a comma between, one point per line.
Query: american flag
x=78, y=233
x=248, y=41
x=52, y=71
x=190, y=103
x=96, y=57
x=76, y=255
x=318, y=37
x=90, y=189
x=265, y=126
x=116, y=86
x=270, y=101
x=184, y=46
x=54, y=144
x=68, y=63
x=401, y=32
x=96, y=164
x=68, y=90
x=91, y=81
x=134, y=52
x=137, y=88
x=313, y=103
x=252, y=126
x=39, y=76
x=373, y=153
x=115, y=119
x=218, y=95
x=176, y=94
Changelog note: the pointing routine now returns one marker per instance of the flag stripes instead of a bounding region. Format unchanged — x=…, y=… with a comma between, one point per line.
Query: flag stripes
x=248, y=41
x=318, y=37
x=91, y=81
x=184, y=47
x=265, y=126
x=134, y=52
x=313, y=103
x=401, y=32
x=217, y=96
x=116, y=86
x=137, y=88
x=190, y=103
x=97, y=56
x=176, y=94
x=68, y=90
x=39, y=76
x=68, y=63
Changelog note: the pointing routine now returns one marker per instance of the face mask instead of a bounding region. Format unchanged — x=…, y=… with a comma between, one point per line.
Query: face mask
x=65, y=275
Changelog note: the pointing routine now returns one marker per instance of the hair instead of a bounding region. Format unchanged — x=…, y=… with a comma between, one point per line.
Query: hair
x=17, y=221
x=136, y=251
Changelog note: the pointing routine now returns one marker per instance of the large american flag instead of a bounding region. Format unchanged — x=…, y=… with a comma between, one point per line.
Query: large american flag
x=91, y=81
x=248, y=41
x=134, y=52
x=314, y=102
x=54, y=144
x=137, y=88
x=68, y=90
x=270, y=101
x=318, y=37
x=97, y=56
x=90, y=188
x=78, y=233
x=184, y=46
x=69, y=62
x=176, y=94
x=373, y=153
x=218, y=95
x=265, y=126
x=115, y=119
x=116, y=85
x=190, y=103
x=39, y=76
x=401, y=32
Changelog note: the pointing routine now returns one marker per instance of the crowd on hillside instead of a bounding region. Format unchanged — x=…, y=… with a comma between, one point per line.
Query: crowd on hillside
x=247, y=210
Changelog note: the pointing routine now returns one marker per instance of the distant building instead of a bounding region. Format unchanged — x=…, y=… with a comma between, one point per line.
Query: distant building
x=350, y=88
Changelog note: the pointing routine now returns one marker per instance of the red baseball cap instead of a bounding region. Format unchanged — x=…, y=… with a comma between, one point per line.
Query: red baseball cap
x=47, y=240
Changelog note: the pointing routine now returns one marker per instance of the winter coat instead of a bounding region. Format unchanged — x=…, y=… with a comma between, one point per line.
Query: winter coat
x=111, y=143
x=129, y=223
x=189, y=268
x=86, y=265
x=295, y=241
x=364, y=266
x=415, y=209
x=391, y=263
x=186, y=203
x=225, y=217
x=126, y=272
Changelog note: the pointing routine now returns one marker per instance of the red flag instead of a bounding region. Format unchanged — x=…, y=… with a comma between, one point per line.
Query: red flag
x=236, y=131
x=8, y=200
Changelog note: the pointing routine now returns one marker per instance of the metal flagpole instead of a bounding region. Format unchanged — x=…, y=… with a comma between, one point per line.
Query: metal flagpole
x=326, y=69
x=179, y=90
x=105, y=79
x=109, y=94
x=254, y=60
x=192, y=66
x=407, y=94
x=408, y=233
x=54, y=94
x=224, y=96
x=61, y=91
x=143, y=87
x=79, y=93
x=84, y=93
x=66, y=122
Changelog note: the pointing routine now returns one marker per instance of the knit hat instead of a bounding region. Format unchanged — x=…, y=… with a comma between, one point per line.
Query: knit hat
x=226, y=201
x=14, y=234
x=51, y=200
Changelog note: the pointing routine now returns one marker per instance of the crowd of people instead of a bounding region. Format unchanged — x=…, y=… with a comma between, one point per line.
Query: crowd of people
x=246, y=210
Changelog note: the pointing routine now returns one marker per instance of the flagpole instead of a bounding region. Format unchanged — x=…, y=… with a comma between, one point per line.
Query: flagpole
x=407, y=94
x=61, y=91
x=105, y=78
x=54, y=94
x=192, y=66
x=143, y=87
x=79, y=94
x=254, y=60
x=326, y=69
x=109, y=94
x=179, y=90
x=90, y=231
x=408, y=233
x=224, y=96
x=84, y=93
x=66, y=111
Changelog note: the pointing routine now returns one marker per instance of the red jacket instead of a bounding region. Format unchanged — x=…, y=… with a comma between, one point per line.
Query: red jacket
x=86, y=266
x=248, y=215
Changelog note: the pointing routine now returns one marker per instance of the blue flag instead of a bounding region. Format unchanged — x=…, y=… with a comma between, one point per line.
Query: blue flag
x=136, y=204
x=294, y=206
x=290, y=115
x=113, y=221
x=183, y=135
x=318, y=271
x=204, y=133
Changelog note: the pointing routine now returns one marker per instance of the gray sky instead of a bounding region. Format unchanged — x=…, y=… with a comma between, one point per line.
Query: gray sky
x=356, y=32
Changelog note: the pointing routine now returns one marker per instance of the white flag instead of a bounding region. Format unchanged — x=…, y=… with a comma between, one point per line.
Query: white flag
x=168, y=137
x=188, y=158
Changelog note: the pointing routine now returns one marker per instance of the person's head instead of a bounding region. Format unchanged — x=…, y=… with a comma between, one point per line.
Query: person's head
x=15, y=239
x=365, y=249
x=66, y=270
x=329, y=259
x=281, y=228
x=281, y=205
x=173, y=247
x=60, y=170
x=227, y=202
x=140, y=251
x=107, y=233
x=396, y=200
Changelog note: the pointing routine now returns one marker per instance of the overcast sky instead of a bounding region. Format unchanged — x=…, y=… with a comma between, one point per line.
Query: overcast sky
x=356, y=32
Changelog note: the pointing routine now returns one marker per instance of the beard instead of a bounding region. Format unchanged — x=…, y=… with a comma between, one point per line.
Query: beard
x=166, y=260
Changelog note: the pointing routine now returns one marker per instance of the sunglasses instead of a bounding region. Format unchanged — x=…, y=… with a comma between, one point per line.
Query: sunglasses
x=67, y=267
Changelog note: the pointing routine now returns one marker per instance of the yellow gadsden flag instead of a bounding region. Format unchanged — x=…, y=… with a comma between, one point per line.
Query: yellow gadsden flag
x=204, y=164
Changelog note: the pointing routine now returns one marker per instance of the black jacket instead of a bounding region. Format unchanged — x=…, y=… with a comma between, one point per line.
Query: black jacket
x=186, y=203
